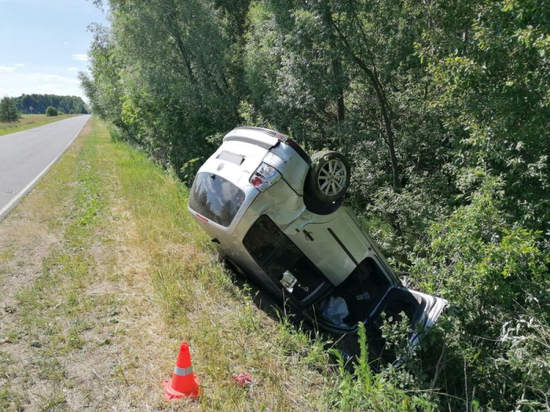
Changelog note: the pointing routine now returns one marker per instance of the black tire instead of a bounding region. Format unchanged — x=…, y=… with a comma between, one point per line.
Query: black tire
x=327, y=182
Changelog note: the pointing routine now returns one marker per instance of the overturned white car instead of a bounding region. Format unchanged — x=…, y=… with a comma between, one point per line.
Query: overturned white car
x=277, y=214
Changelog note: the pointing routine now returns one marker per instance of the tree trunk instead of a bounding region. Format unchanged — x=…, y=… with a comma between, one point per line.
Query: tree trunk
x=382, y=102
x=336, y=66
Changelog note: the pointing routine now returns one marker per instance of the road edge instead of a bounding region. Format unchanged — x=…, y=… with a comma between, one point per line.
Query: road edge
x=25, y=191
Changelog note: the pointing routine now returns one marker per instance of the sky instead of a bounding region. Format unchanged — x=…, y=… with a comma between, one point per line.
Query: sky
x=44, y=44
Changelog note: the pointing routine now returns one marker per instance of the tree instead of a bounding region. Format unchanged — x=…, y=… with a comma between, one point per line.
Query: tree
x=442, y=107
x=159, y=85
x=490, y=80
x=51, y=111
x=8, y=111
x=38, y=103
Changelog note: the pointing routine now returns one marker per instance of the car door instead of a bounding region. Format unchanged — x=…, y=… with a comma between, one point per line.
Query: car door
x=335, y=246
x=342, y=250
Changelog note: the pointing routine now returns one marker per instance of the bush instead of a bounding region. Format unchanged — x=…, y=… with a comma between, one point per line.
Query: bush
x=8, y=111
x=495, y=275
x=361, y=389
x=51, y=111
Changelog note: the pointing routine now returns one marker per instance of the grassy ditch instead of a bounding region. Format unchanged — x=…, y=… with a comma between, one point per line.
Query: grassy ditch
x=104, y=273
x=118, y=275
x=30, y=121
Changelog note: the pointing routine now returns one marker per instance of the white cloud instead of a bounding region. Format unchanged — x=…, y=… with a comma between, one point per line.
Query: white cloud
x=19, y=64
x=15, y=84
x=73, y=69
x=7, y=69
x=80, y=57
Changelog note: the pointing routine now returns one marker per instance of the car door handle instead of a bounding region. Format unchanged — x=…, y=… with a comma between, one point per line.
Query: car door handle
x=308, y=236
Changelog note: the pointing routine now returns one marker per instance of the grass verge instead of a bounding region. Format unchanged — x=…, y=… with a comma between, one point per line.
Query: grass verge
x=104, y=273
x=30, y=121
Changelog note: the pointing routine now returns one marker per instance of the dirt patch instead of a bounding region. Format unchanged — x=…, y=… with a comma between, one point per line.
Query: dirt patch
x=123, y=366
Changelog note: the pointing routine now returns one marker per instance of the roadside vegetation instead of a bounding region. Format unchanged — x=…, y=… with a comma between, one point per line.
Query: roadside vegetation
x=103, y=273
x=441, y=107
x=8, y=111
x=30, y=121
x=51, y=111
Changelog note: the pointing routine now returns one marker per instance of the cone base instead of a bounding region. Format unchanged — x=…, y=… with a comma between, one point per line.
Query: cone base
x=170, y=393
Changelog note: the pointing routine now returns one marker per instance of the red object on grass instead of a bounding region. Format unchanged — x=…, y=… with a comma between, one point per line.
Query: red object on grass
x=244, y=379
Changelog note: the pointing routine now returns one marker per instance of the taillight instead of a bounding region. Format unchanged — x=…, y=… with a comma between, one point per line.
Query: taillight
x=256, y=181
x=264, y=176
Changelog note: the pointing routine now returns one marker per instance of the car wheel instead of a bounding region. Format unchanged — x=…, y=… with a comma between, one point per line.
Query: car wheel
x=327, y=181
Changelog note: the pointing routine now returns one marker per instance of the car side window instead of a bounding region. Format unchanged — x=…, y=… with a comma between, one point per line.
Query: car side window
x=281, y=259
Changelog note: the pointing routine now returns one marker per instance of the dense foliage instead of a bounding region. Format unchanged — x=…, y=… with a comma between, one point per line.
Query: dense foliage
x=38, y=103
x=443, y=109
x=51, y=111
x=8, y=111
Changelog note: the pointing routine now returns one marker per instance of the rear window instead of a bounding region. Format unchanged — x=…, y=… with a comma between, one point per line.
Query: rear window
x=215, y=198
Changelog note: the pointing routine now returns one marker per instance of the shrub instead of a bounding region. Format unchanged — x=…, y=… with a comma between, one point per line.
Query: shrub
x=8, y=111
x=51, y=111
x=495, y=276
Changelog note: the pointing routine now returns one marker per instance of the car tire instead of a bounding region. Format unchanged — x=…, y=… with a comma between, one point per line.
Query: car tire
x=326, y=182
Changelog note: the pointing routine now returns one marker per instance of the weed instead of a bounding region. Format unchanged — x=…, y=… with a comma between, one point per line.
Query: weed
x=53, y=402
x=9, y=401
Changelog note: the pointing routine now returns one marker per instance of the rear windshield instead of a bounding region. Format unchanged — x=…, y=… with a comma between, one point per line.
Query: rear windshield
x=215, y=198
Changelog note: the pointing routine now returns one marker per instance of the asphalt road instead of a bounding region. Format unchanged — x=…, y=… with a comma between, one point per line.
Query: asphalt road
x=26, y=156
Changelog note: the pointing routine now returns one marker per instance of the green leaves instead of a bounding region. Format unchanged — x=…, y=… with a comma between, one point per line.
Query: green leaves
x=8, y=111
x=442, y=108
x=491, y=271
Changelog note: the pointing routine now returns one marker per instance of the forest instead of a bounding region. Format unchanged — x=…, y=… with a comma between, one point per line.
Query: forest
x=38, y=103
x=442, y=108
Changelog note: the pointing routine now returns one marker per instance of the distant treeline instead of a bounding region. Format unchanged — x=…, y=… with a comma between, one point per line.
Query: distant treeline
x=38, y=103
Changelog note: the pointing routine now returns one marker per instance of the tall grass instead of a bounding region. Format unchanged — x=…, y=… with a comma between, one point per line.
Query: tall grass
x=358, y=388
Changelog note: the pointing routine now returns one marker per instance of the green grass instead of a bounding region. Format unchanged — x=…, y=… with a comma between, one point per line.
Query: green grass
x=127, y=278
x=30, y=121
x=200, y=303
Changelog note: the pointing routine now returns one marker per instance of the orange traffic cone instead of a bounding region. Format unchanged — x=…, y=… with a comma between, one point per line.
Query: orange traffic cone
x=183, y=382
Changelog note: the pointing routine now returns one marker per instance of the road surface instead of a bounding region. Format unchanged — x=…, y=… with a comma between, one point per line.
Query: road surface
x=26, y=156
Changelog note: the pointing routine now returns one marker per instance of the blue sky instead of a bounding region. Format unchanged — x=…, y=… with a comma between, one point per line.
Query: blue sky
x=43, y=45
